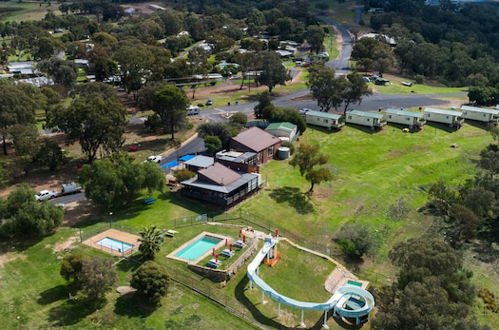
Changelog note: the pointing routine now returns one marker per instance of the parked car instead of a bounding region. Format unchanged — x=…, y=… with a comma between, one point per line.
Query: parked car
x=192, y=110
x=70, y=188
x=154, y=159
x=304, y=111
x=209, y=102
x=45, y=195
x=200, y=105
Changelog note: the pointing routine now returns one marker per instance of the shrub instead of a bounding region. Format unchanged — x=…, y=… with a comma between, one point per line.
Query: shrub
x=398, y=210
x=239, y=118
x=213, y=144
x=182, y=175
x=356, y=240
x=419, y=79
x=97, y=277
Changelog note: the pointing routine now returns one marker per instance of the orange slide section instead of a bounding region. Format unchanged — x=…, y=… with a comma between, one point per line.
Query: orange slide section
x=273, y=261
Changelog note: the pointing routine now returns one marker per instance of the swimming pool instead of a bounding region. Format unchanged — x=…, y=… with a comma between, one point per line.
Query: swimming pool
x=197, y=248
x=115, y=244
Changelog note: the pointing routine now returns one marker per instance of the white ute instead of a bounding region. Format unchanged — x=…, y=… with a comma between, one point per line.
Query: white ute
x=45, y=195
x=154, y=159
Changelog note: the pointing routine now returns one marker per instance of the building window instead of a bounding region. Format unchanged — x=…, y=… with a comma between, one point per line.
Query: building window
x=349, y=117
x=326, y=121
x=368, y=119
x=408, y=118
x=270, y=151
x=389, y=116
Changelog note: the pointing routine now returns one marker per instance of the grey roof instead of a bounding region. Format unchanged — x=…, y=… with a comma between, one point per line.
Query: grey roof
x=365, y=114
x=234, y=156
x=443, y=112
x=200, y=161
x=323, y=115
x=404, y=113
x=481, y=110
x=245, y=178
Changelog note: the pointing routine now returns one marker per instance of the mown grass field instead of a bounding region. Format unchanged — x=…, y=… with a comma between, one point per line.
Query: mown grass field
x=396, y=87
x=14, y=11
x=372, y=170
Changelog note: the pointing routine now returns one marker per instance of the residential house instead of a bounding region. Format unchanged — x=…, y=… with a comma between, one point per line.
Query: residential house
x=220, y=185
x=256, y=140
x=238, y=161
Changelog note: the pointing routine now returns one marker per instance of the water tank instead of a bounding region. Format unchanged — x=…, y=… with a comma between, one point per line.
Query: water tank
x=283, y=153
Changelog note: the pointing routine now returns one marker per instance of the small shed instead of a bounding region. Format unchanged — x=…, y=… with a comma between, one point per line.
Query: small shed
x=449, y=117
x=284, y=131
x=480, y=114
x=324, y=119
x=198, y=163
x=365, y=118
x=409, y=118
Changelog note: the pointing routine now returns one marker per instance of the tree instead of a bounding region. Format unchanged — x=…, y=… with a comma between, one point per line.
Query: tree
x=170, y=103
x=151, y=281
x=17, y=108
x=489, y=157
x=355, y=89
x=247, y=62
x=442, y=196
x=61, y=71
x=27, y=217
x=96, y=122
x=71, y=268
x=315, y=37
x=4, y=176
x=239, y=119
x=151, y=239
x=463, y=225
x=213, y=144
x=481, y=95
x=49, y=154
x=98, y=275
x=284, y=114
x=134, y=62
x=264, y=100
x=378, y=53
x=223, y=131
x=113, y=183
x=273, y=71
x=154, y=177
x=324, y=87
x=356, y=240
x=309, y=160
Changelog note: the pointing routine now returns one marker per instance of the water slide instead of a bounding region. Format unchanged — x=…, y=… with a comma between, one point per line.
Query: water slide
x=342, y=301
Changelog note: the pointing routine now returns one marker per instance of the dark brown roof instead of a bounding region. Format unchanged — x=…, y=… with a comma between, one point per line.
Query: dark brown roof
x=256, y=139
x=219, y=174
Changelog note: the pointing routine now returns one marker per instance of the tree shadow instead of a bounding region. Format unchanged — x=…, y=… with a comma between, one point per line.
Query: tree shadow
x=364, y=129
x=133, y=305
x=257, y=315
x=131, y=263
x=53, y=294
x=294, y=197
x=71, y=312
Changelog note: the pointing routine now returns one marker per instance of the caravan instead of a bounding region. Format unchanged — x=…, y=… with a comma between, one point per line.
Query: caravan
x=192, y=110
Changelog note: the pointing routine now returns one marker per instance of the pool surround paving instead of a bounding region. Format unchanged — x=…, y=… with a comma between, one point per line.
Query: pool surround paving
x=116, y=235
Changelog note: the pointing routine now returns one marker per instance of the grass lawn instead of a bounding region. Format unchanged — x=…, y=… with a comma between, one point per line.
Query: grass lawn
x=396, y=87
x=330, y=45
x=14, y=11
x=287, y=275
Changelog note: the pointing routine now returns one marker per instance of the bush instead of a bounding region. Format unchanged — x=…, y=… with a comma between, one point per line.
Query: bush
x=239, y=118
x=489, y=300
x=182, y=175
x=213, y=144
x=419, y=79
x=71, y=268
x=398, y=210
x=356, y=240
x=50, y=155
x=97, y=277
x=151, y=281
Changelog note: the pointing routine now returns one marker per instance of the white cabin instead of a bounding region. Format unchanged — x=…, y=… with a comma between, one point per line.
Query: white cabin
x=365, y=118
x=324, y=119
x=480, y=114
x=411, y=119
x=449, y=117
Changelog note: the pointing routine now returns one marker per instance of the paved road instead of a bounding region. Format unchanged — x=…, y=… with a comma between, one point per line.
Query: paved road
x=195, y=146
x=68, y=199
x=341, y=64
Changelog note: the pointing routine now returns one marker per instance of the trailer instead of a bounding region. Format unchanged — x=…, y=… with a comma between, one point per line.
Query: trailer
x=330, y=121
x=480, y=114
x=365, y=118
x=412, y=119
x=452, y=118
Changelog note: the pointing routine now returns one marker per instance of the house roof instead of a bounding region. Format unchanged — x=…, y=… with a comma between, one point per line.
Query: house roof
x=323, y=115
x=365, y=114
x=200, y=161
x=281, y=126
x=256, y=139
x=243, y=179
x=481, y=110
x=404, y=113
x=443, y=112
x=220, y=174
x=235, y=156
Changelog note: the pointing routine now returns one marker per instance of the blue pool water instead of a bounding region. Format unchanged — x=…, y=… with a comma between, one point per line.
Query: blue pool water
x=198, y=248
x=115, y=244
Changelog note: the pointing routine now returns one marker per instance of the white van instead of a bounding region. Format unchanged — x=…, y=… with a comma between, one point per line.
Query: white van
x=192, y=110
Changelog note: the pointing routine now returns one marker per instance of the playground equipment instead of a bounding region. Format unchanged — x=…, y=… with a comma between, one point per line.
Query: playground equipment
x=349, y=301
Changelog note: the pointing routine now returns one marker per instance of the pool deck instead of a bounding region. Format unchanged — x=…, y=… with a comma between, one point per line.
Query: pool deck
x=117, y=235
x=173, y=254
